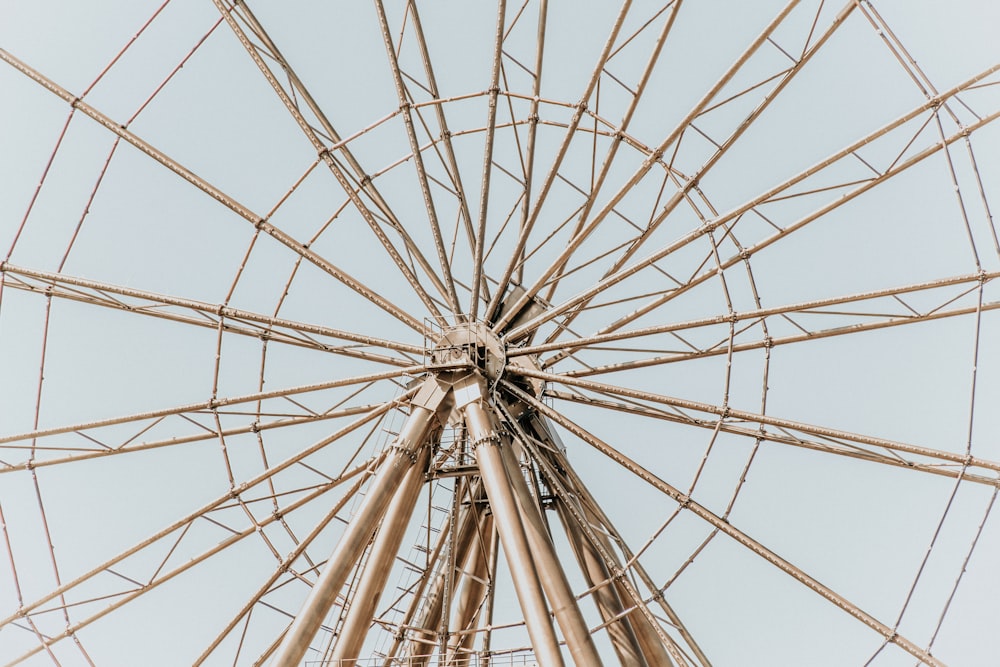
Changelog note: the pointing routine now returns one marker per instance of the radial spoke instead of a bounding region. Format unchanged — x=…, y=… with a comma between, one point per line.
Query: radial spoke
x=648, y=163
x=769, y=420
x=325, y=152
x=206, y=508
x=418, y=161
x=780, y=436
x=897, y=168
x=622, y=127
x=256, y=220
x=779, y=80
x=872, y=322
x=202, y=314
x=816, y=306
x=282, y=569
x=739, y=536
x=97, y=445
x=784, y=78
x=162, y=577
x=528, y=226
x=528, y=158
x=446, y=134
x=478, y=284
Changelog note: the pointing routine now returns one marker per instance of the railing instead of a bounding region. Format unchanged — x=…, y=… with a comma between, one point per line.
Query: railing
x=518, y=659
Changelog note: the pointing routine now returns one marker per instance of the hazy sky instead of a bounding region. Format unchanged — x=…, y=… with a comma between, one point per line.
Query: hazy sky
x=849, y=182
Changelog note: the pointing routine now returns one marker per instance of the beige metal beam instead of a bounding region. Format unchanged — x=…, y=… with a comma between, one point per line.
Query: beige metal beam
x=475, y=582
x=383, y=552
x=550, y=570
x=405, y=451
x=606, y=597
x=736, y=534
x=512, y=535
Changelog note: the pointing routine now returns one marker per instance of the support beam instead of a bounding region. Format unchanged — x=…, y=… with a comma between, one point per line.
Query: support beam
x=606, y=596
x=406, y=448
x=425, y=627
x=553, y=577
x=512, y=535
x=468, y=606
x=376, y=571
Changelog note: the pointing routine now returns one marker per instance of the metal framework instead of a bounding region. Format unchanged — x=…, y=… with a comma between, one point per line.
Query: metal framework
x=445, y=335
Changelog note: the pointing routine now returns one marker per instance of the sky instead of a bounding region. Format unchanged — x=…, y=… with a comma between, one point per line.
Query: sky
x=806, y=229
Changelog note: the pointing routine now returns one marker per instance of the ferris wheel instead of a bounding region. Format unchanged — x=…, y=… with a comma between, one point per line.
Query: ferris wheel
x=530, y=333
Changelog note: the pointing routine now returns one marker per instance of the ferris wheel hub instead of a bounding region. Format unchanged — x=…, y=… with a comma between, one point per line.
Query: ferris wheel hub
x=469, y=345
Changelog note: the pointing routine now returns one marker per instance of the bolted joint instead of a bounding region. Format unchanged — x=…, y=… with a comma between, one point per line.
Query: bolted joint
x=407, y=452
x=491, y=439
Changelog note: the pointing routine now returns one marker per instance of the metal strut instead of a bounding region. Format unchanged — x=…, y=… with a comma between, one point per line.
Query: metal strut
x=514, y=515
x=408, y=448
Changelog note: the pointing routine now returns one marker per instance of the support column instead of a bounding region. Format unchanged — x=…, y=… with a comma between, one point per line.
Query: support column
x=512, y=535
x=475, y=571
x=606, y=596
x=430, y=618
x=635, y=639
x=406, y=448
x=550, y=571
x=379, y=563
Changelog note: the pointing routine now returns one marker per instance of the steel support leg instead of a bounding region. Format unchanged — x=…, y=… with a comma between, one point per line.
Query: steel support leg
x=405, y=449
x=475, y=571
x=550, y=571
x=379, y=563
x=606, y=597
x=430, y=619
x=512, y=535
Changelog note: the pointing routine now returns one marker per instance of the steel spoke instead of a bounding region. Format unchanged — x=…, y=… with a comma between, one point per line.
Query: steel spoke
x=726, y=218
x=528, y=226
x=648, y=163
x=769, y=420
x=446, y=134
x=242, y=211
x=784, y=437
x=204, y=314
x=814, y=306
x=323, y=150
x=739, y=536
x=478, y=284
x=418, y=161
x=179, y=524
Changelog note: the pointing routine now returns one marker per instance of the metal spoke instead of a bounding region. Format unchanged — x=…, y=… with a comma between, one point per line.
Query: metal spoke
x=281, y=570
x=739, y=536
x=446, y=134
x=418, y=161
x=164, y=577
x=781, y=436
x=612, y=152
x=478, y=284
x=324, y=151
x=587, y=229
x=781, y=79
x=528, y=226
x=203, y=314
x=817, y=306
x=256, y=220
x=881, y=321
x=769, y=420
x=187, y=519
x=92, y=446
x=728, y=217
